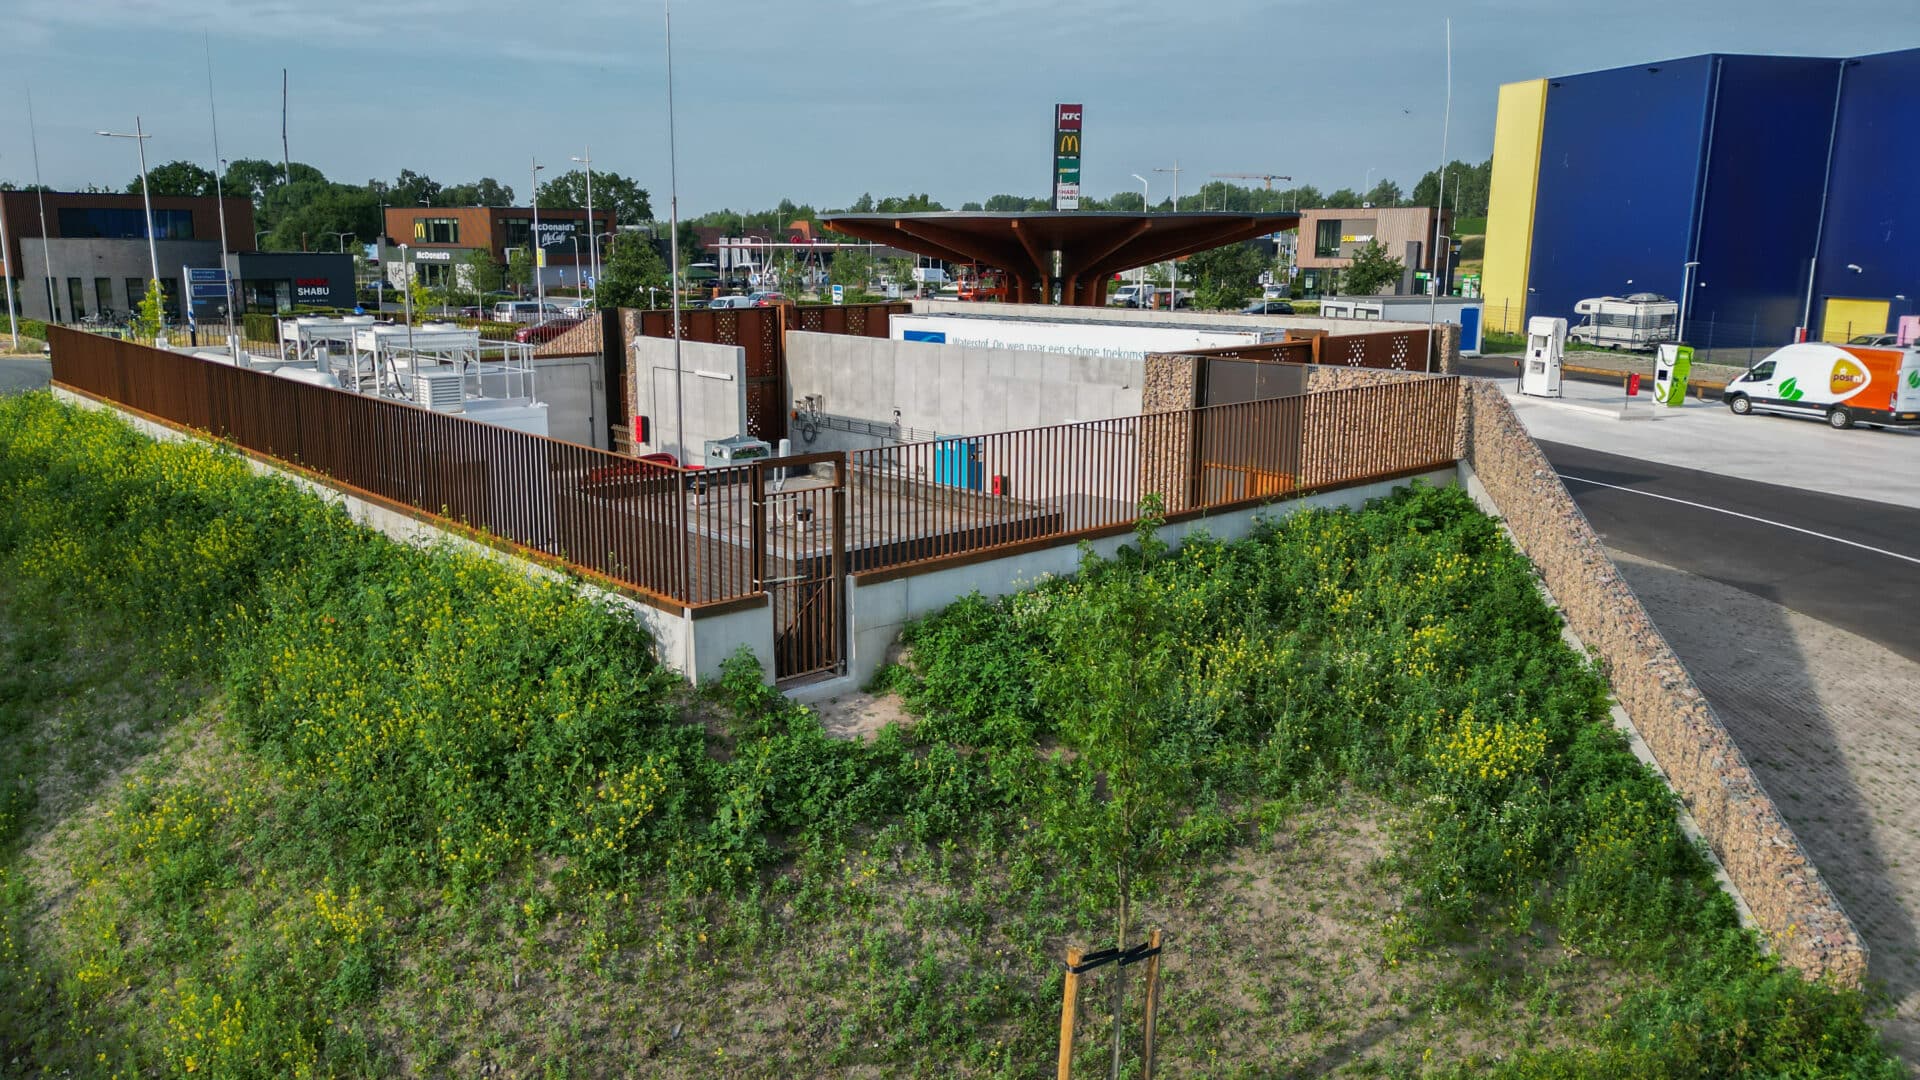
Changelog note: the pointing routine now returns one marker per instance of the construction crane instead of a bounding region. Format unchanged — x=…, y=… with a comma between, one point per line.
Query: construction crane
x=1268, y=177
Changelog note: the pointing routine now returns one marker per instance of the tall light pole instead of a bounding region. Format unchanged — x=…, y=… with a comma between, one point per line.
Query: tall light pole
x=539, y=252
x=40, y=198
x=341, y=238
x=673, y=241
x=219, y=197
x=1686, y=295
x=593, y=247
x=1140, y=272
x=6, y=267
x=140, y=138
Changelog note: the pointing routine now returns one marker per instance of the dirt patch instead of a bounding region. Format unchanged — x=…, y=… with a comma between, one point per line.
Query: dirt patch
x=1826, y=719
x=860, y=715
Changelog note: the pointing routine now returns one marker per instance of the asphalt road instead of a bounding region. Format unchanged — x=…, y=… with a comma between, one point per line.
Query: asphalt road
x=1847, y=562
x=19, y=373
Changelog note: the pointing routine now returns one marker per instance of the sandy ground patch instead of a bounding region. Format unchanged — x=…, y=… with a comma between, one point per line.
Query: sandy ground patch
x=1828, y=721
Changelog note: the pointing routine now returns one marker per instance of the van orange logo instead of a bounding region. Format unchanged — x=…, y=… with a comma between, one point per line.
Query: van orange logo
x=1847, y=377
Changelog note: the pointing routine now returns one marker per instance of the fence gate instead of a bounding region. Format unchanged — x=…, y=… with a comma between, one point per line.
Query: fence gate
x=799, y=529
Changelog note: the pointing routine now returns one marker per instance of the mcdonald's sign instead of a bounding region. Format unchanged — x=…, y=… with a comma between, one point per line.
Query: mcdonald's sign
x=1067, y=120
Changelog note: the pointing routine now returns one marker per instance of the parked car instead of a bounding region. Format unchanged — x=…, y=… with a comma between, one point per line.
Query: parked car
x=1876, y=341
x=1268, y=307
x=770, y=299
x=1845, y=384
x=523, y=311
x=577, y=309
x=720, y=302
x=547, y=330
x=1128, y=295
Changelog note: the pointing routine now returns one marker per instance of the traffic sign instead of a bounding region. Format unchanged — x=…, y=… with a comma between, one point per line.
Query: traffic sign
x=839, y=294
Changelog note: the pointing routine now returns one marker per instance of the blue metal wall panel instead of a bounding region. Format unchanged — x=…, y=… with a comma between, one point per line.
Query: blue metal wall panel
x=1760, y=204
x=1620, y=161
x=1873, y=209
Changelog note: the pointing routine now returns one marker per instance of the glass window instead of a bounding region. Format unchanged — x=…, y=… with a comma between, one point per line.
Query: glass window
x=136, y=292
x=515, y=231
x=436, y=230
x=76, y=297
x=103, y=294
x=1326, y=239
x=1761, y=373
x=104, y=223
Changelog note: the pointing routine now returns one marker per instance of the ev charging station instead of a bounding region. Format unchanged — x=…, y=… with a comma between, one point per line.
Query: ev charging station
x=1546, y=347
x=1670, y=369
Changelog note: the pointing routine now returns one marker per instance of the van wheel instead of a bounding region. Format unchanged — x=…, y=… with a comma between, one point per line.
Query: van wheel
x=1739, y=404
x=1839, y=419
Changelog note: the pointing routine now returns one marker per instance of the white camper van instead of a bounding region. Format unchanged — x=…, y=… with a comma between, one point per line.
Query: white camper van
x=1637, y=321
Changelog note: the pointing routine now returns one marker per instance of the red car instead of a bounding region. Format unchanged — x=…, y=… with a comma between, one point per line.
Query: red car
x=542, y=332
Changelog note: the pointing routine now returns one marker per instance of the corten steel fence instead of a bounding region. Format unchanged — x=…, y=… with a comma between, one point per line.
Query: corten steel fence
x=928, y=502
x=696, y=537
x=630, y=521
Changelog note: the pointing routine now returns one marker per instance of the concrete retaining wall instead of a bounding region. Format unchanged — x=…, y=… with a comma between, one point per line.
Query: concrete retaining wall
x=692, y=645
x=713, y=380
x=877, y=610
x=1792, y=904
x=952, y=390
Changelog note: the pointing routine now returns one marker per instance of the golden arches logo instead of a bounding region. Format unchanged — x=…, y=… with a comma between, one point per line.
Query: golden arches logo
x=1069, y=143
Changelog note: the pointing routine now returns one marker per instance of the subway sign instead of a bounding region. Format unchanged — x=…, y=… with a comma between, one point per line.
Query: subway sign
x=1066, y=156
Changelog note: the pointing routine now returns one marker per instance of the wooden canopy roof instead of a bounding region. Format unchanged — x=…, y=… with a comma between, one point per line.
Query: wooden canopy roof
x=1093, y=245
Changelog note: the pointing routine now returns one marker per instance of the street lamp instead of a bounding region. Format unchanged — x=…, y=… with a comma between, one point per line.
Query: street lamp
x=673, y=189
x=539, y=251
x=140, y=138
x=1686, y=295
x=341, y=238
x=1146, y=206
x=6, y=282
x=586, y=159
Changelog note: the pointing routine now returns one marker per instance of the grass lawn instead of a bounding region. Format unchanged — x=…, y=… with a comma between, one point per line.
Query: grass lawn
x=286, y=798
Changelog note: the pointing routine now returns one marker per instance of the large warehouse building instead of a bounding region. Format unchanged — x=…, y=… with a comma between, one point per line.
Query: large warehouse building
x=1775, y=192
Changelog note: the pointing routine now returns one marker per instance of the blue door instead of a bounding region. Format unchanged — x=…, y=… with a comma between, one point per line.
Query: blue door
x=1469, y=329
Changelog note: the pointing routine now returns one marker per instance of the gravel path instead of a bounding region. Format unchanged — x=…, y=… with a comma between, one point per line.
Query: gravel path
x=1831, y=724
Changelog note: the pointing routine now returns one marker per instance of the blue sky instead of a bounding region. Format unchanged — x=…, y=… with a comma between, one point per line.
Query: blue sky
x=822, y=101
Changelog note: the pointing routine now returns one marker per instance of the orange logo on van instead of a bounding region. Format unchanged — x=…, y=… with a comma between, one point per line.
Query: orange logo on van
x=1847, y=377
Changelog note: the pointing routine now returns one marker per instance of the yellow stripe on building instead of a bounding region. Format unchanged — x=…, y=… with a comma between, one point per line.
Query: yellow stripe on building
x=1516, y=175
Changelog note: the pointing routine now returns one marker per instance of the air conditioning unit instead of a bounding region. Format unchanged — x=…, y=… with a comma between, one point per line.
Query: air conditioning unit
x=443, y=390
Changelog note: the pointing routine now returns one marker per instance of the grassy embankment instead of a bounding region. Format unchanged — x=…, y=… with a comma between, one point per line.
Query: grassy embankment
x=284, y=798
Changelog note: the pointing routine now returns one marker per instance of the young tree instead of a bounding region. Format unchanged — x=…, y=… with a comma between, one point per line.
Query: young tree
x=899, y=271
x=481, y=274
x=1226, y=276
x=630, y=268
x=1117, y=697
x=852, y=270
x=1371, y=270
x=149, y=318
x=1384, y=193
x=520, y=268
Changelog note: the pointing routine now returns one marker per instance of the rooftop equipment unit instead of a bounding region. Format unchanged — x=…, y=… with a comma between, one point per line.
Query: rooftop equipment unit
x=736, y=450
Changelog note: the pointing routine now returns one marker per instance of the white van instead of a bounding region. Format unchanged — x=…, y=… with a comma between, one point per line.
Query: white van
x=1130, y=296
x=523, y=311
x=1843, y=384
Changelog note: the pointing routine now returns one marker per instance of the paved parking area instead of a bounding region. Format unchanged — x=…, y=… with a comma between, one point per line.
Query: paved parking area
x=19, y=373
x=1880, y=466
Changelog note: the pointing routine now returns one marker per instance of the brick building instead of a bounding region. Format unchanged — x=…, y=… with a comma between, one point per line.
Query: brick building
x=1330, y=236
x=97, y=245
x=439, y=238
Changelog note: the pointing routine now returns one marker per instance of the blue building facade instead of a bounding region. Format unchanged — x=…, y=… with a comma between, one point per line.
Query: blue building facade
x=1774, y=192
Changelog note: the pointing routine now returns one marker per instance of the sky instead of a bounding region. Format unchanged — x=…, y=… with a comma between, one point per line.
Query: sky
x=820, y=101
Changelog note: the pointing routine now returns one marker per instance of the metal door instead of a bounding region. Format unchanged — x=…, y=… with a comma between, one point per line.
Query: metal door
x=799, y=529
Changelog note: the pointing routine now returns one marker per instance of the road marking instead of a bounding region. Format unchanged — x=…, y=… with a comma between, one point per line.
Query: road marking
x=1748, y=517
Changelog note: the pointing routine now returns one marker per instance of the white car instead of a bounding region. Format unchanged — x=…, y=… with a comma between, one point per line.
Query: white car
x=577, y=309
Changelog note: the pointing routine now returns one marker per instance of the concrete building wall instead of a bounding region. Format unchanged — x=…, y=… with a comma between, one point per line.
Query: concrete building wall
x=118, y=261
x=713, y=381
x=950, y=390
